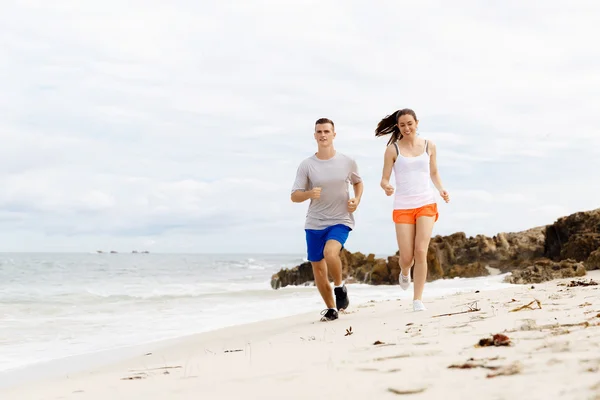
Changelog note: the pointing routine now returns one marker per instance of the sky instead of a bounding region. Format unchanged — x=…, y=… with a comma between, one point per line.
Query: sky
x=178, y=126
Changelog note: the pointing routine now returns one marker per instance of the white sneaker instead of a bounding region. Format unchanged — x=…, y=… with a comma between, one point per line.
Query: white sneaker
x=405, y=280
x=418, y=306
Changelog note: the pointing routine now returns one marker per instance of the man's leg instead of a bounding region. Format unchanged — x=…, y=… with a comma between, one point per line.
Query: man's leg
x=332, y=258
x=315, y=244
x=336, y=238
x=322, y=282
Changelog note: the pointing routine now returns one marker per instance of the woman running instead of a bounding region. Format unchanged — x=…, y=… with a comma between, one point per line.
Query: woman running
x=413, y=160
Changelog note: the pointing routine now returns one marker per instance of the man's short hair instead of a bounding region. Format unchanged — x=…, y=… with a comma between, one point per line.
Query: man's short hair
x=325, y=121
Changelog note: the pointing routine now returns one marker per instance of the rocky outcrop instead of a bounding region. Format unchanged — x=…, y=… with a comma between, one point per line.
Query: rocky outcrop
x=593, y=261
x=504, y=251
x=369, y=269
x=301, y=274
x=564, y=247
x=544, y=270
x=575, y=236
x=356, y=267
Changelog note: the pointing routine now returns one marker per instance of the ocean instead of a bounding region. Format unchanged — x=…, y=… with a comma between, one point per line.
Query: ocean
x=54, y=306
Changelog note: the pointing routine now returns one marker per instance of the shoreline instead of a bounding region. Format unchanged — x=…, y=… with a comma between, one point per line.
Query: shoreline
x=303, y=357
x=94, y=359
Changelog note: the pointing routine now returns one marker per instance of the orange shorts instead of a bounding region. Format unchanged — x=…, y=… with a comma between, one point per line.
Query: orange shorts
x=409, y=216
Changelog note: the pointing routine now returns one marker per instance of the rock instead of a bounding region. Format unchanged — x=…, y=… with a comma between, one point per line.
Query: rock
x=545, y=270
x=380, y=274
x=574, y=238
x=393, y=263
x=299, y=275
x=365, y=269
x=580, y=246
x=434, y=266
x=350, y=261
x=471, y=270
x=503, y=251
x=593, y=261
x=356, y=267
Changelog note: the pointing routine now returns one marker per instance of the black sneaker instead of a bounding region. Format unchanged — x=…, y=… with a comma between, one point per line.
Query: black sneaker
x=341, y=298
x=329, y=314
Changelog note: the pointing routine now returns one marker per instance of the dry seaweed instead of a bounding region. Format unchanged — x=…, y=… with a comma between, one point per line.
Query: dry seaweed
x=413, y=328
x=574, y=283
x=392, y=357
x=380, y=343
x=585, y=324
x=472, y=308
x=401, y=392
x=349, y=332
x=529, y=306
x=497, y=340
x=474, y=364
x=470, y=365
x=477, y=363
x=134, y=377
x=508, y=370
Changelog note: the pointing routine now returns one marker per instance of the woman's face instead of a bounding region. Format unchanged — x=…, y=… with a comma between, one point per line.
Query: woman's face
x=407, y=125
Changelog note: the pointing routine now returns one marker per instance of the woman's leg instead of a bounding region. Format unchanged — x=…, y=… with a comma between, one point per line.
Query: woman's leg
x=424, y=228
x=405, y=235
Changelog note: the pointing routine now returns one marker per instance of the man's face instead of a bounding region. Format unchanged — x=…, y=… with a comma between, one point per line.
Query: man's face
x=324, y=134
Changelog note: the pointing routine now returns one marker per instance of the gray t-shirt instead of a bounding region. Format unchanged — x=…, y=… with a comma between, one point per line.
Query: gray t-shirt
x=333, y=177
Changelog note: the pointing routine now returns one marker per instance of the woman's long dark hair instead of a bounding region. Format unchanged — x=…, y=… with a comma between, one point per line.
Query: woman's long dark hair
x=390, y=125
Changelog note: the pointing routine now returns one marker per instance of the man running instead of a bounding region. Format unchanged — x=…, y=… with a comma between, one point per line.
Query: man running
x=323, y=178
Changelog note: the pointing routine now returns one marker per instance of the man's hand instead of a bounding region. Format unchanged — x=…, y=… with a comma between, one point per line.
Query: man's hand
x=352, y=204
x=315, y=193
x=300, y=195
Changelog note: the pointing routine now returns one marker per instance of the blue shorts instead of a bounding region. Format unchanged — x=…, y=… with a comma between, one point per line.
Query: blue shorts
x=316, y=239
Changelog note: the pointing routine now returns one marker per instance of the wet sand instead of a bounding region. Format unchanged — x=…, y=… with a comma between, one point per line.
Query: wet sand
x=550, y=349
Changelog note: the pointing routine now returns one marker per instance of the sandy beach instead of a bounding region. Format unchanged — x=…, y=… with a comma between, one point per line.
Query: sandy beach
x=550, y=349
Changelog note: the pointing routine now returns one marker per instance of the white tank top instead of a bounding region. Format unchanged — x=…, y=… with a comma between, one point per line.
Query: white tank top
x=413, y=187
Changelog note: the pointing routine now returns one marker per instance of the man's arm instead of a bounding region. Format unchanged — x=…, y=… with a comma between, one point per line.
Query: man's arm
x=300, y=196
x=358, y=190
x=356, y=180
x=357, y=186
x=300, y=192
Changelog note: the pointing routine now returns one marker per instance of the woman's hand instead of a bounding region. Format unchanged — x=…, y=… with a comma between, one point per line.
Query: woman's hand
x=387, y=188
x=445, y=195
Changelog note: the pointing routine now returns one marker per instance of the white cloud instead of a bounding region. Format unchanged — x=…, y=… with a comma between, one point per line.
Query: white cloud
x=179, y=126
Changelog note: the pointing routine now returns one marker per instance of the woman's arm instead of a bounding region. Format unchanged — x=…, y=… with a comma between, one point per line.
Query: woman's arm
x=388, y=163
x=434, y=173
